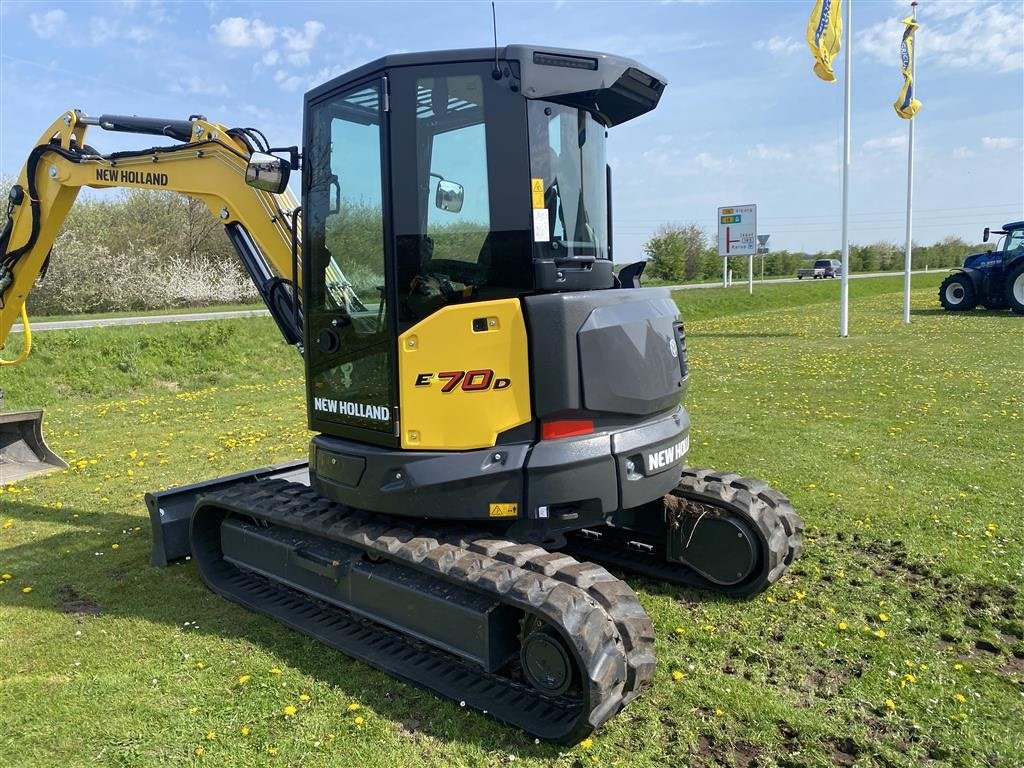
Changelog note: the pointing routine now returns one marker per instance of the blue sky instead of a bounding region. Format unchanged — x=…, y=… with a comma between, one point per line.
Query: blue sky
x=742, y=120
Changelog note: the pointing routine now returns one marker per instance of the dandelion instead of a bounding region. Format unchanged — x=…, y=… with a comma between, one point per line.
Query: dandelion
x=679, y=630
x=890, y=704
x=960, y=697
x=8, y=523
x=958, y=666
x=883, y=617
x=843, y=626
x=303, y=697
x=290, y=711
x=26, y=590
x=115, y=546
x=211, y=735
x=353, y=707
x=271, y=750
x=800, y=595
x=200, y=751
x=359, y=720
x=200, y=665
x=330, y=737
x=6, y=577
x=244, y=679
x=245, y=730
x=677, y=675
x=275, y=671
x=587, y=743
x=719, y=712
x=879, y=633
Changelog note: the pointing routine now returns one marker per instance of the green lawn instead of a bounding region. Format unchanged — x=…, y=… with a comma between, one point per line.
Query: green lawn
x=895, y=641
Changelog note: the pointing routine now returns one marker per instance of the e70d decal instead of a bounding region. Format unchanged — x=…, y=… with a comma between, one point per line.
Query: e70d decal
x=479, y=380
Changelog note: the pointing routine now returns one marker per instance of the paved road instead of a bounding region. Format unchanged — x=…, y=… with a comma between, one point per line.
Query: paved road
x=191, y=317
x=738, y=282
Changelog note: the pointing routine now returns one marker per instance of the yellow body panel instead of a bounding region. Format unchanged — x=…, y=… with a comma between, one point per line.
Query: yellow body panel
x=459, y=388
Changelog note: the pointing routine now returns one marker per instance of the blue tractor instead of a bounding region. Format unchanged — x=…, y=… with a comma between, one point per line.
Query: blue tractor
x=994, y=279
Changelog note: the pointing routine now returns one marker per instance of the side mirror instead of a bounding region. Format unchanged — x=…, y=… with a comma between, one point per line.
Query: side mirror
x=267, y=172
x=984, y=235
x=449, y=196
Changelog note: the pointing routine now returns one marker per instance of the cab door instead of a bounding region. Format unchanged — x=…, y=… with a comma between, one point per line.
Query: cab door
x=347, y=260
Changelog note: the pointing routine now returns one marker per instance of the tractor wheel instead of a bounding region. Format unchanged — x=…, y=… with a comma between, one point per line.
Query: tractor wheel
x=1015, y=289
x=957, y=293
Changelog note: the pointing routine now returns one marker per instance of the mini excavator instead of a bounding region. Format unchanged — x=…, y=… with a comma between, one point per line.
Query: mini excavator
x=498, y=415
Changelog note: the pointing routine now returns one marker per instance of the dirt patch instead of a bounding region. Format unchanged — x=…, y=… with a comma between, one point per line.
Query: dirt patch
x=70, y=600
x=844, y=752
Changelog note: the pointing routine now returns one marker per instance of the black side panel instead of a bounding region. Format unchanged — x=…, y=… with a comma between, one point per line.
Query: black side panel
x=557, y=325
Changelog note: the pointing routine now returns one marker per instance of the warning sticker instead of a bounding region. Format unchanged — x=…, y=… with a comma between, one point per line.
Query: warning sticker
x=537, y=189
x=541, y=233
x=504, y=510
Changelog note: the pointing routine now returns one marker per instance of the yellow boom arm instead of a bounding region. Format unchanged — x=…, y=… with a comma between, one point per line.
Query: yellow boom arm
x=209, y=164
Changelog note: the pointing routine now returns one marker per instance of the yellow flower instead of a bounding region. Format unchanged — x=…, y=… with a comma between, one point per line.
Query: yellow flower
x=587, y=743
x=289, y=711
x=275, y=671
x=890, y=704
x=679, y=630
x=271, y=750
x=200, y=665
x=800, y=595
x=359, y=721
x=883, y=617
x=115, y=546
x=211, y=735
x=719, y=712
x=26, y=590
x=199, y=751
x=9, y=522
x=958, y=666
x=330, y=737
x=353, y=707
x=677, y=675
x=843, y=626
x=879, y=633
x=6, y=577
x=243, y=679
x=960, y=697
x=245, y=730
x=303, y=697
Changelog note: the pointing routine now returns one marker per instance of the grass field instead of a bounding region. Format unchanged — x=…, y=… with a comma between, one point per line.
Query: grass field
x=895, y=641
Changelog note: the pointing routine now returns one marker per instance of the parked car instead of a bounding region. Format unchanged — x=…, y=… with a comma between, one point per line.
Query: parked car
x=822, y=268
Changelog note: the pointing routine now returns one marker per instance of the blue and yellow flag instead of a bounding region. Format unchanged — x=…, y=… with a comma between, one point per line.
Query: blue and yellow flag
x=824, y=30
x=906, y=105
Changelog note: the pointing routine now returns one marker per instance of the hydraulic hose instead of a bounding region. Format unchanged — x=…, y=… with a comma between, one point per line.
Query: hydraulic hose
x=28, y=341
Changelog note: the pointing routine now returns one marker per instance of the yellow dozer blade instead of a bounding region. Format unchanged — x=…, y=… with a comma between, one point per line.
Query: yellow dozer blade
x=23, y=451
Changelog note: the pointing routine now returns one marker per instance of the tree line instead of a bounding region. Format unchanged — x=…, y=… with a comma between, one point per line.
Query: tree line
x=685, y=253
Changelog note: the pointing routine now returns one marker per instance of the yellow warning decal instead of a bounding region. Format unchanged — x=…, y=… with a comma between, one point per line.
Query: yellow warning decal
x=537, y=186
x=504, y=510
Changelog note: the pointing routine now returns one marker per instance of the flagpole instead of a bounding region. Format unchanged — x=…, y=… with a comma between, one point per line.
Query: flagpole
x=844, y=287
x=907, y=260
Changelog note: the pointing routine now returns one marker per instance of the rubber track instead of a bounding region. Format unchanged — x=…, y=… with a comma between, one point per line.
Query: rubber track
x=768, y=511
x=598, y=615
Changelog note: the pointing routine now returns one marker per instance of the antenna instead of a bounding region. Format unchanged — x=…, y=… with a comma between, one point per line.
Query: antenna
x=496, y=72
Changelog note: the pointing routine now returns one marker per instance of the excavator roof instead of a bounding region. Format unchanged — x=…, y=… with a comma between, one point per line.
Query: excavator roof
x=615, y=87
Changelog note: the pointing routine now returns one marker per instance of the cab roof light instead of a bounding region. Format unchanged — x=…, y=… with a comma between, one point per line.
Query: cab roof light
x=552, y=430
x=561, y=60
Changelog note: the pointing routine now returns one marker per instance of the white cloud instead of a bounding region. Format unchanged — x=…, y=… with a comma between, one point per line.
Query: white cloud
x=48, y=25
x=238, y=32
x=299, y=59
x=286, y=81
x=103, y=30
x=765, y=152
x=305, y=39
x=886, y=143
x=999, y=142
x=977, y=36
x=270, y=58
x=962, y=153
x=779, y=45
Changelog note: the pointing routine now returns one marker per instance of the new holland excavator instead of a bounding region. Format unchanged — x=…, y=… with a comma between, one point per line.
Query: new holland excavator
x=498, y=415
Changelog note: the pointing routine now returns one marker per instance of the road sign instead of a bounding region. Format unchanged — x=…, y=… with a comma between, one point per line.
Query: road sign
x=763, y=239
x=737, y=230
